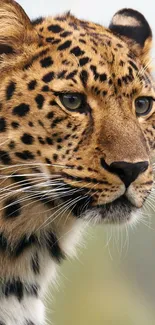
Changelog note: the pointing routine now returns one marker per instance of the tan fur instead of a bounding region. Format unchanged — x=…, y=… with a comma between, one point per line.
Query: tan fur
x=71, y=149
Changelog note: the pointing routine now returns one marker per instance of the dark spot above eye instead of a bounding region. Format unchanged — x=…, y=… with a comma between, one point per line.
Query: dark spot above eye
x=12, y=208
x=55, y=29
x=46, y=62
x=64, y=46
x=27, y=138
x=77, y=51
x=21, y=110
x=10, y=90
x=40, y=100
x=2, y=124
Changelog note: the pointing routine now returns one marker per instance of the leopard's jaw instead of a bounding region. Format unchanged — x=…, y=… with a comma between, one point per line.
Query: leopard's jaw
x=75, y=138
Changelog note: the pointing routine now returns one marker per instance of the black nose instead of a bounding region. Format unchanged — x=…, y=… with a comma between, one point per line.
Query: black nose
x=127, y=172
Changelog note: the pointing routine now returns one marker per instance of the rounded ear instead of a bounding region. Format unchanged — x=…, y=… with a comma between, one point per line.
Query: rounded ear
x=15, y=28
x=132, y=26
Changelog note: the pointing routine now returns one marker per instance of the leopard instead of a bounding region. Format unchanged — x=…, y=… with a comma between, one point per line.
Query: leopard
x=77, y=140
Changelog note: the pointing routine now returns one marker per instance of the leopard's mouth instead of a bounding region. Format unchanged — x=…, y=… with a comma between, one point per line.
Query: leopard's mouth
x=118, y=211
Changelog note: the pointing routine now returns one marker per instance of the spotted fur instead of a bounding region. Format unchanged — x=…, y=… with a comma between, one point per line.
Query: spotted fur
x=59, y=167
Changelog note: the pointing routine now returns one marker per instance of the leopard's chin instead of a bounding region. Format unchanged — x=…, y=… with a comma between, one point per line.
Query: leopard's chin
x=117, y=212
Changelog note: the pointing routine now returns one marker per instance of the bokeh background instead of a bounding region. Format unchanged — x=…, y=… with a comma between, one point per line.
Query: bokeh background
x=112, y=282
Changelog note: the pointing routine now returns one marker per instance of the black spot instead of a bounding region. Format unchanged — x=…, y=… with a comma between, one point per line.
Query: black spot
x=13, y=288
x=10, y=90
x=35, y=264
x=21, y=110
x=77, y=51
x=84, y=77
x=32, y=84
x=65, y=34
x=56, y=121
x=84, y=61
x=82, y=41
x=45, y=88
x=2, y=124
x=61, y=74
x=53, y=247
x=104, y=92
x=15, y=125
x=53, y=103
x=103, y=77
x=41, y=140
x=64, y=46
x=27, y=138
x=71, y=75
x=119, y=82
x=46, y=62
x=11, y=144
x=12, y=208
x=24, y=243
x=30, y=124
x=40, y=100
x=55, y=29
x=40, y=123
x=50, y=115
x=56, y=41
x=25, y=155
x=49, y=141
x=121, y=63
x=34, y=58
x=4, y=157
x=48, y=77
x=133, y=65
x=49, y=39
x=48, y=161
x=55, y=157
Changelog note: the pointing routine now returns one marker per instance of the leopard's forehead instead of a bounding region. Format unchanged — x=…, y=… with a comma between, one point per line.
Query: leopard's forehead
x=83, y=53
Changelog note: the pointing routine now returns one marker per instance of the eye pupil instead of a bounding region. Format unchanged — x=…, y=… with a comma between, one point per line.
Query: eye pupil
x=71, y=101
x=143, y=105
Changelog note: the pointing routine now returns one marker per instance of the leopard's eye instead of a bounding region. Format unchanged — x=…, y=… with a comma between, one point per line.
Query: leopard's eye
x=71, y=101
x=143, y=105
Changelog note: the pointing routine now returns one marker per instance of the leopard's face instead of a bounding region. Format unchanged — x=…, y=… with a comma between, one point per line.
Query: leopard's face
x=77, y=102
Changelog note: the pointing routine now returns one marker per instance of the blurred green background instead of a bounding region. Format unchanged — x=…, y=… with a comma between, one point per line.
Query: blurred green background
x=112, y=282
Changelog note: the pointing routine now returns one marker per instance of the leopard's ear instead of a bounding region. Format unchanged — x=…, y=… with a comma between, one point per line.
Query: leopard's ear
x=132, y=26
x=16, y=29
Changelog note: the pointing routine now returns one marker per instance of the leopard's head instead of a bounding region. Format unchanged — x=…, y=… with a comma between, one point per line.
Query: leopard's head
x=77, y=102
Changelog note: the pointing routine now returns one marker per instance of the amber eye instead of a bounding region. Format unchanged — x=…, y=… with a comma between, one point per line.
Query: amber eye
x=143, y=105
x=71, y=101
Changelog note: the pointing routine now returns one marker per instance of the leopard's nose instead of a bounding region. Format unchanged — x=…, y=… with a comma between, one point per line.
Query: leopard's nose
x=127, y=172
